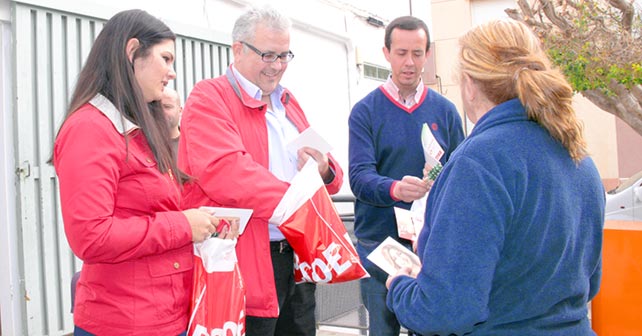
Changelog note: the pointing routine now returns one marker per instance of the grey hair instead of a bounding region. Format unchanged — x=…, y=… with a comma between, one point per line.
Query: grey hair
x=245, y=25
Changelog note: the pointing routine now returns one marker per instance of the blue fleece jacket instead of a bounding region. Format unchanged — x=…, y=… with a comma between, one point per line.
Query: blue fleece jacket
x=385, y=145
x=512, y=240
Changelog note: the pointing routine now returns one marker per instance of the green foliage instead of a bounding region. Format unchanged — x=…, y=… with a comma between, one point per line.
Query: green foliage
x=596, y=50
x=585, y=71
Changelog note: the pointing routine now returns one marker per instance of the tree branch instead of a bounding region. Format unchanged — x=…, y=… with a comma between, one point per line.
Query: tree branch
x=627, y=10
x=549, y=10
x=624, y=106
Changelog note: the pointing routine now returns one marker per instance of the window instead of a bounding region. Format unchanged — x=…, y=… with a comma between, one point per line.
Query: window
x=375, y=72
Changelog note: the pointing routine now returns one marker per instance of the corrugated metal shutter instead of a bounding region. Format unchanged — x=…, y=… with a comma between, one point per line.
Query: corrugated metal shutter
x=50, y=48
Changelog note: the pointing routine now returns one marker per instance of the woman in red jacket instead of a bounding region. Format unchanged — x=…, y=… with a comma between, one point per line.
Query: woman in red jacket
x=120, y=187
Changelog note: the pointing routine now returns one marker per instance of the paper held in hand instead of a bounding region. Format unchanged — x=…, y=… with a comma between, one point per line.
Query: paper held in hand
x=432, y=153
x=243, y=214
x=432, y=150
x=408, y=223
x=391, y=256
x=309, y=138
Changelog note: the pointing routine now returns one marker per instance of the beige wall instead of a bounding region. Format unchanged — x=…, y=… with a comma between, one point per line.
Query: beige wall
x=599, y=131
x=615, y=148
x=629, y=149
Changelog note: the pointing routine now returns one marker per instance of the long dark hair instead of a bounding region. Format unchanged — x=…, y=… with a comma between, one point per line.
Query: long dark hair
x=109, y=71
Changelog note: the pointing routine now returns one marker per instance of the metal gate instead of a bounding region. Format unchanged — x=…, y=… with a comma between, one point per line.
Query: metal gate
x=50, y=48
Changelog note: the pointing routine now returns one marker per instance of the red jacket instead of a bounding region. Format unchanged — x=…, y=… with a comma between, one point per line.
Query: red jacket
x=224, y=145
x=122, y=218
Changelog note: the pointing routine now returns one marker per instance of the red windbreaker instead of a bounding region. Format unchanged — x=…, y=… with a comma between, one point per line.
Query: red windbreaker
x=122, y=218
x=224, y=146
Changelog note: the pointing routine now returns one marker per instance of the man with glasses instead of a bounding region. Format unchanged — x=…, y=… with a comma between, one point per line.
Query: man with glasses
x=234, y=133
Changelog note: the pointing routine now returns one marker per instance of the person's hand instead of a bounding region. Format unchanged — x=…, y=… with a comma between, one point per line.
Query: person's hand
x=426, y=179
x=429, y=175
x=203, y=224
x=304, y=153
x=227, y=228
x=427, y=168
x=402, y=271
x=410, y=188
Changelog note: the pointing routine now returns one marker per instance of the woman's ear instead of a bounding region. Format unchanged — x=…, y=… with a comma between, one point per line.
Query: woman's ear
x=468, y=87
x=131, y=47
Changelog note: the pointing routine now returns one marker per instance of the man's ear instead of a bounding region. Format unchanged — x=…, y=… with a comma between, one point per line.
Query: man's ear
x=386, y=53
x=237, y=49
x=131, y=47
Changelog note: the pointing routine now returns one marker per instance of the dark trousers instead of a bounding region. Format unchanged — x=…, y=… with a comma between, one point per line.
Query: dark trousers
x=296, y=302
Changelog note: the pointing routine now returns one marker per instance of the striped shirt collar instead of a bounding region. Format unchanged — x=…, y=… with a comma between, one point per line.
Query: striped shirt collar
x=408, y=101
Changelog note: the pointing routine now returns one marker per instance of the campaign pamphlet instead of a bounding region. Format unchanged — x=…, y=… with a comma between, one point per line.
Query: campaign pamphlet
x=405, y=224
x=391, y=256
x=243, y=214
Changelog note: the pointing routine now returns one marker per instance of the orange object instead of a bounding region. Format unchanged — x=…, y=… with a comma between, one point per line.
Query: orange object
x=617, y=308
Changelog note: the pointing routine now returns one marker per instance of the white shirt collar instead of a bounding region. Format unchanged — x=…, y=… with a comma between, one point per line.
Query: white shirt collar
x=122, y=124
x=254, y=91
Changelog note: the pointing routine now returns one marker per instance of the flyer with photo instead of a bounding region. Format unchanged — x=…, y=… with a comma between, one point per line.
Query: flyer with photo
x=391, y=256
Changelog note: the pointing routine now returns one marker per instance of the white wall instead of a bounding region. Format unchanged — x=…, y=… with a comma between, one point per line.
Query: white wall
x=485, y=10
x=9, y=281
x=5, y=14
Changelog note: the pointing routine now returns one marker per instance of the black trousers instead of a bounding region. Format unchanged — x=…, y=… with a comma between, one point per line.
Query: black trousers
x=296, y=302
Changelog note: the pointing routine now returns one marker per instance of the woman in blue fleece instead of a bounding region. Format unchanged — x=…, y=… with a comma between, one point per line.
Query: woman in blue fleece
x=513, y=229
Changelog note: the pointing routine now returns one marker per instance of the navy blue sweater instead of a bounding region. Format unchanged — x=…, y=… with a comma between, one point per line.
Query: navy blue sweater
x=385, y=145
x=512, y=238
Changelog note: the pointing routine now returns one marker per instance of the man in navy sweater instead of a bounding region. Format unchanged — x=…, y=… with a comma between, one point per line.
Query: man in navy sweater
x=386, y=154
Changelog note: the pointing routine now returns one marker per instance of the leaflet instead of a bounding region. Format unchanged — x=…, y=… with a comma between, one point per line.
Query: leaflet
x=309, y=138
x=391, y=256
x=243, y=214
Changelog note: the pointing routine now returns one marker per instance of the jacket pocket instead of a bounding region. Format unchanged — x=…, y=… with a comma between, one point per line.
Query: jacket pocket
x=171, y=263
x=171, y=282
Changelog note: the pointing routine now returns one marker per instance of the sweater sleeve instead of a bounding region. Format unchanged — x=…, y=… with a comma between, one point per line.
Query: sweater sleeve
x=451, y=293
x=366, y=183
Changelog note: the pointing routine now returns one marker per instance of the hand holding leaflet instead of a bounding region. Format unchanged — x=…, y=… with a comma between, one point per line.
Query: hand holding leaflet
x=432, y=150
x=243, y=215
x=391, y=257
x=432, y=153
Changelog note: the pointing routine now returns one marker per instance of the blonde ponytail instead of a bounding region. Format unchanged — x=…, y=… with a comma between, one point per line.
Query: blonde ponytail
x=506, y=60
x=548, y=100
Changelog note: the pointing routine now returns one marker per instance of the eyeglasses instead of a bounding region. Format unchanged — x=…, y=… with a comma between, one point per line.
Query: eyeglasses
x=271, y=57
